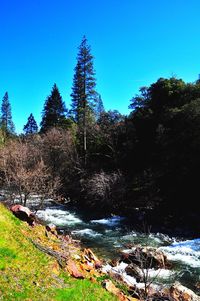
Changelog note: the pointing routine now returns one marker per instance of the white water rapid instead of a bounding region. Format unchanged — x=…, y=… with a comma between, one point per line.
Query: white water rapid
x=109, y=235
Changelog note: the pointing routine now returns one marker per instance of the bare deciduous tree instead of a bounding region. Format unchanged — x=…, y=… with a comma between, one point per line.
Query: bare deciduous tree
x=23, y=170
x=59, y=151
x=105, y=188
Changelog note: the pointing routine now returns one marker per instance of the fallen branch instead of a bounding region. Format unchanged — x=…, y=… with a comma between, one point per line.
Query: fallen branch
x=61, y=258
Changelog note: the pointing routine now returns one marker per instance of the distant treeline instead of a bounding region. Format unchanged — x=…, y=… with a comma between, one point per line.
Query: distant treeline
x=99, y=158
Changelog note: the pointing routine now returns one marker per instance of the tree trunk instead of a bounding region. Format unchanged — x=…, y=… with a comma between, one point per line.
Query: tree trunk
x=84, y=123
x=85, y=142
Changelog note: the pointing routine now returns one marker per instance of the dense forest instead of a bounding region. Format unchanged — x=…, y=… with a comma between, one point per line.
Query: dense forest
x=103, y=159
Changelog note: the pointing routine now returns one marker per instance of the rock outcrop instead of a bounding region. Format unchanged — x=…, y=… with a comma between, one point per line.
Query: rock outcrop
x=179, y=292
x=74, y=270
x=92, y=258
x=134, y=271
x=110, y=287
x=23, y=213
x=145, y=257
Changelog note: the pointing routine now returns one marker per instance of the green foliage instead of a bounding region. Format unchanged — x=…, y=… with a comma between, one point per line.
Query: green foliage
x=83, y=96
x=166, y=93
x=165, y=119
x=7, y=125
x=83, y=89
x=30, y=127
x=54, y=112
x=140, y=100
x=99, y=107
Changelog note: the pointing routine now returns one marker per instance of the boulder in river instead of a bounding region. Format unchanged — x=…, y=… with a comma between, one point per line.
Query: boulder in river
x=134, y=271
x=179, y=292
x=145, y=257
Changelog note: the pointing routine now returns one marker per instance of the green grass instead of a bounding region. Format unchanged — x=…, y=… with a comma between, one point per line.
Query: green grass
x=83, y=290
x=28, y=274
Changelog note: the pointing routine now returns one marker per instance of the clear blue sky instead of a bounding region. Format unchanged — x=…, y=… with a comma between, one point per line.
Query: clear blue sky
x=134, y=42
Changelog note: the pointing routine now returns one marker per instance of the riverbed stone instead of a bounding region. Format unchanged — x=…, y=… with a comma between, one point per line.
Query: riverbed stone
x=179, y=292
x=134, y=271
x=145, y=257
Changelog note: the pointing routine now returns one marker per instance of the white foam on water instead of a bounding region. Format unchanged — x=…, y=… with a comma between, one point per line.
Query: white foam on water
x=165, y=237
x=58, y=217
x=159, y=273
x=119, y=268
x=117, y=244
x=139, y=285
x=111, y=221
x=108, y=231
x=156, y=238
x=193, y=244
x=35, y=202
x=187, y=252
x=128, y=251
x=86, y=232
x=131, y=281
x=129, y=236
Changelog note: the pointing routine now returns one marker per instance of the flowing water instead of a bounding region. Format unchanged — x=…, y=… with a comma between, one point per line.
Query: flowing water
x=109, y=235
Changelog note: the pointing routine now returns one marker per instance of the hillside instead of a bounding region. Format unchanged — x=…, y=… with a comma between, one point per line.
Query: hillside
x=26, y=273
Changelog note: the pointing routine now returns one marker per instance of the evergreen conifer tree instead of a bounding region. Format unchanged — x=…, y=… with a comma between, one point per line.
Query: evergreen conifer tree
x=76, y=94
x=7, y=124
x=53, y=114
x=99, y=107
x=83, y=91
x=31, y=126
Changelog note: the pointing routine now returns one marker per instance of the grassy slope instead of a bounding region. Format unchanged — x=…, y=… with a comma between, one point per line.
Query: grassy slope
x=28, y=274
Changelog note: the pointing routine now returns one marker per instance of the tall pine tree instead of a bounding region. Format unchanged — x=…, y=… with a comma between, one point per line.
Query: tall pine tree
x=83, y=91
x=53, y=114
x=30, y=127
x=99, y=107
x=7, y=124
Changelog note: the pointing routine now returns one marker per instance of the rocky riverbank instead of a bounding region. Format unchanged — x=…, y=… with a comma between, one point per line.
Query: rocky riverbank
x=35, y=265
x=135, y=273
x=140, y=268
x=78, y=262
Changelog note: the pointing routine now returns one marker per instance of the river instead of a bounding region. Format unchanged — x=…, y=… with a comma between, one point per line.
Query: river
x=108, y=235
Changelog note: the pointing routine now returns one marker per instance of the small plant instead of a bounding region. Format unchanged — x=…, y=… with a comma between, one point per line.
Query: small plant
x=6, y=252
